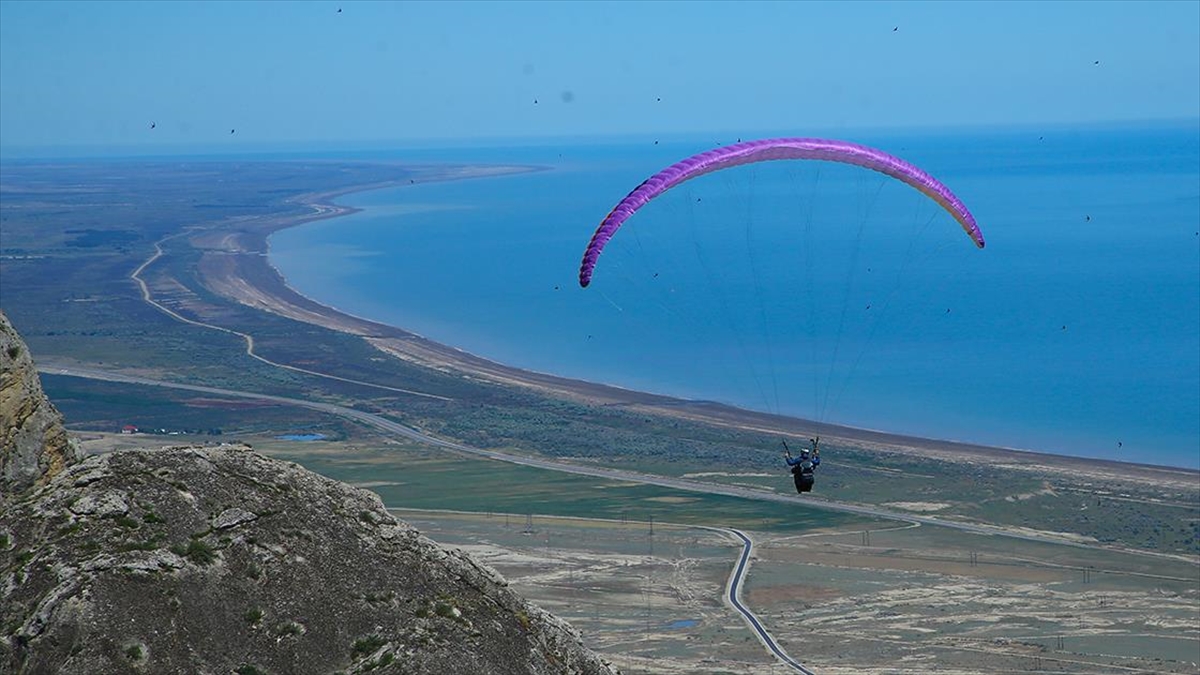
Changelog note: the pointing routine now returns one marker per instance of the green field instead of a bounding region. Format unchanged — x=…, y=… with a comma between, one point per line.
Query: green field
x=407, y=477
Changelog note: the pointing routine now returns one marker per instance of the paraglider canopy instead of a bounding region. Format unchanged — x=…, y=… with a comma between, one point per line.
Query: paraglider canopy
x=765, y=150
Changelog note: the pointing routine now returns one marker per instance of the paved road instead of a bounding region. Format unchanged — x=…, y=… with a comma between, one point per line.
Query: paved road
x=733, y=590
x=391, y=427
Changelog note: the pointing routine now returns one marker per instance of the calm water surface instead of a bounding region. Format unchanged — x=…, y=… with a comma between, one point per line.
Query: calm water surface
x=818, y=290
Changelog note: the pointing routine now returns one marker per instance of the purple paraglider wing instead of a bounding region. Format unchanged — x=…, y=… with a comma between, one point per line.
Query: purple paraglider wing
x=765, y=150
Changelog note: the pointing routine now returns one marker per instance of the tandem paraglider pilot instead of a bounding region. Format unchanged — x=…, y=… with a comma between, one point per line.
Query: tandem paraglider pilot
x=803, y=467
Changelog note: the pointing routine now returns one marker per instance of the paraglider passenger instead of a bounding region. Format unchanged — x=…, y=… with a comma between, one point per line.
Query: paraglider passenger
x=803, y=466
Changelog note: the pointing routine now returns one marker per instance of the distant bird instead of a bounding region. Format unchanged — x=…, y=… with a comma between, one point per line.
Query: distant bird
x=1095, y=63
x=868, y=307
x=339, y=10
x=1119, y=444
x=896, y=29
x=656, y=275
x=1087, y=218
x=947, y=310
x=656, y=142
x=556, y=288
x=152, y=125
x=1041, y=138
x=232, y=130
x=1064, y=327
x=659, y=99
x=411, y=181
x=697, y=199
x=535, y=101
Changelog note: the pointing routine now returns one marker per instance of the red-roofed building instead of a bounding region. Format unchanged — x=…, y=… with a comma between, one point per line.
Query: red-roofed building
x=129, y=429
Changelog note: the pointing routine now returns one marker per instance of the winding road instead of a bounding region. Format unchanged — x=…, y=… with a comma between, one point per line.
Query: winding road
x=148, y=297
x=733, y=591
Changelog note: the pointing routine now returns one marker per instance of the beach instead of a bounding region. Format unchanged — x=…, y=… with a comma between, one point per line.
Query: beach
x=234, y=263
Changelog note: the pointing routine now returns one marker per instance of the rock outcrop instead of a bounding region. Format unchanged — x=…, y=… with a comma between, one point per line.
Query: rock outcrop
x=217, y=560
x=34, y=446
x=220, y=560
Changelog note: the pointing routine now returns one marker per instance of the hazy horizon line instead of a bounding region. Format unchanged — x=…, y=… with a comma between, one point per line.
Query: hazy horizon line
x=227, y=147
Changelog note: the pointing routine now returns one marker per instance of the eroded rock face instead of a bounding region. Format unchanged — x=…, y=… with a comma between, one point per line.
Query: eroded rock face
x=33, y=443
x=211, y=560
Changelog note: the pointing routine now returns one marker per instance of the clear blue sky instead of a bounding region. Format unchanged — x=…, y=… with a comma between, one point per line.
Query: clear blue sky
x=98, y=73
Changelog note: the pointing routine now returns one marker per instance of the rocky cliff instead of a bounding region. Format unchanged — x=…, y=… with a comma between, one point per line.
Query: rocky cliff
x=33, y=444
x=219, y=560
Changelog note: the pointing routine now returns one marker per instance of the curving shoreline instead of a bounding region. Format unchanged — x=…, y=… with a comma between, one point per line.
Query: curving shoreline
x=235, y=264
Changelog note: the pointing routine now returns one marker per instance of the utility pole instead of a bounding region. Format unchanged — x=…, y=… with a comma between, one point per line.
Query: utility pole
x=651, y=538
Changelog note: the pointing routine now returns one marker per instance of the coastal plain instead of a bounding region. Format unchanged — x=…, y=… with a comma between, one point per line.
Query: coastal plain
x=158, y=270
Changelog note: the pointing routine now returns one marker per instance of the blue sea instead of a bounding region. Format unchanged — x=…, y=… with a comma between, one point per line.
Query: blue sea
x=814, y=289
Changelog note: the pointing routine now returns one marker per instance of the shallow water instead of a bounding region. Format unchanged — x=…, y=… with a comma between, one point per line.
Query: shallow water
x=301, y=437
